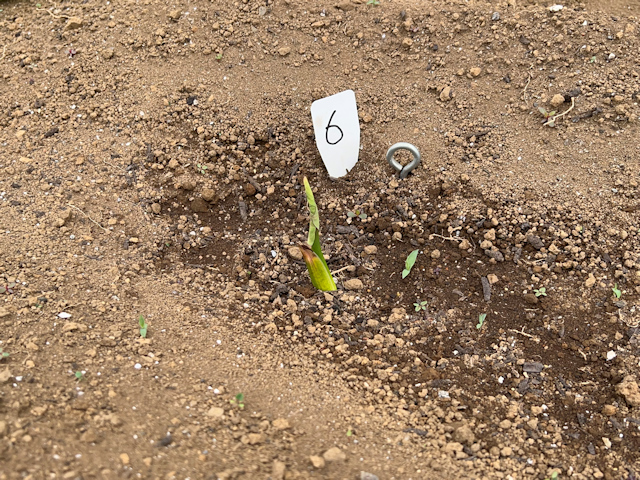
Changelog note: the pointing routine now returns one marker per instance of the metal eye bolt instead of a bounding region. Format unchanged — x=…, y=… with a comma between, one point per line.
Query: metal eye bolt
x=404, y=170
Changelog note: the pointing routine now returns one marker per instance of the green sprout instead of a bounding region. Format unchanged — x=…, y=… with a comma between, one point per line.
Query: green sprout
x=547, y=116
x=219, y=57
x=373, y=2
x=616, y=291
x=541, y=292
x=409, y=262
x=238, y=400
x=79, y=376
x=349, y=433
x=202, y=168
x=420, y=305
x=8, y=287
x=481, y=319
x=554, y=476
x=357, y=213
x=3, y=354
x=312, y=251
x=143, y=326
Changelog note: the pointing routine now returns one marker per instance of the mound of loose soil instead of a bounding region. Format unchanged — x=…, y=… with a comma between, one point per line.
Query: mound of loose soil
x=151, y=176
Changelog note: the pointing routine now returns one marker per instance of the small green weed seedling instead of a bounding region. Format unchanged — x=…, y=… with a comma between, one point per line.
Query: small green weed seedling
x=540, y=292
x=547, y=116
x=616, y=291
x=554, y=476
x=420, y=305
x=349, y=433
x=481, y=319
x=7, y=288
x=219, y=57
x=373, y=2
x=79, y=376
x=357, y=213
x=409, y=263
x=143, y=326
x=550, y=118
x=202, y=168
x=238, y=400
x=3, y=354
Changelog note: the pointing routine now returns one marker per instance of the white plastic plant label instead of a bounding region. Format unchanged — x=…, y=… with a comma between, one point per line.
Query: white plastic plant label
x=337, y=130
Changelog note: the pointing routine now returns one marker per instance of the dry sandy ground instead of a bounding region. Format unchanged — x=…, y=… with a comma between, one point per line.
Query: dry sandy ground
x=150, y=172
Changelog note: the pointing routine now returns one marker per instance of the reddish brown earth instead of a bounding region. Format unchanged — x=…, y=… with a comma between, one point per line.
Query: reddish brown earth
x=151, y=165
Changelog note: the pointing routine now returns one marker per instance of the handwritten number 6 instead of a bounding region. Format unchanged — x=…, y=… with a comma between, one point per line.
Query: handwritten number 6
x=333, y=126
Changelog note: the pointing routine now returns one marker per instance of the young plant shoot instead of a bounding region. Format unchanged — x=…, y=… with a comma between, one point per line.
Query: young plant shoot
x=540, y=292
x=409, y=262
x=616, y=292
x=312, y=251
x=481, y=319
x=421, y=305
x=143, y=326
x=238, y=400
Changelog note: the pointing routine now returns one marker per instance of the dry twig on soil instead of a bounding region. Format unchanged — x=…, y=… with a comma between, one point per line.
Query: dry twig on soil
x=73, y=206
x=54, y=15
x=524, y=92
x=453, y=239
x=114, y=166
x=528, y=335
x=341, y=270
x=551, y=121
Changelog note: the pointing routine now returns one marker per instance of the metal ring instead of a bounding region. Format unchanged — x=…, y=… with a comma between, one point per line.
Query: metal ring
x=404, y=171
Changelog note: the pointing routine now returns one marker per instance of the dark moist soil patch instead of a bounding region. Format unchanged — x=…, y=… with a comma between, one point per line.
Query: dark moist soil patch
x=563, y=340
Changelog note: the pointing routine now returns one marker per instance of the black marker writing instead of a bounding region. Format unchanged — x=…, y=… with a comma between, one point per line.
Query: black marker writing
x=333, y=126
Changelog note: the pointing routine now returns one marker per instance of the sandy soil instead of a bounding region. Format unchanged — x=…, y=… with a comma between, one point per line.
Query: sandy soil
x=150, y=174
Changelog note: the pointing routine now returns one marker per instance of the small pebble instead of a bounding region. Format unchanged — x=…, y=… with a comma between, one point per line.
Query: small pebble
x=334, y=455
